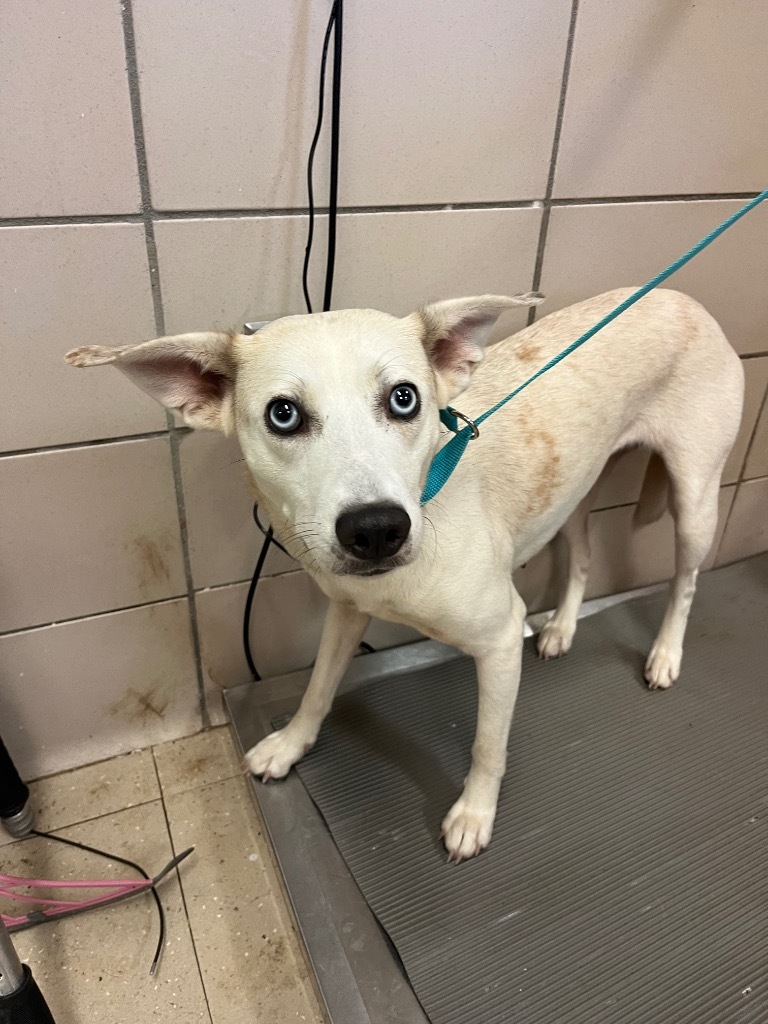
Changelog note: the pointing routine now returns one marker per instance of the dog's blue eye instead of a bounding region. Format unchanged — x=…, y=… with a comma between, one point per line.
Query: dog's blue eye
x=404, y=401
x=283, y=416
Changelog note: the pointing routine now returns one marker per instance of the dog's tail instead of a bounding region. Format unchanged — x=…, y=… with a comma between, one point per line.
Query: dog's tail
x=654, y=493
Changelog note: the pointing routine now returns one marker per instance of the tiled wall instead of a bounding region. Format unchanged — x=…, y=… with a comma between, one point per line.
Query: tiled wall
x=152, y=179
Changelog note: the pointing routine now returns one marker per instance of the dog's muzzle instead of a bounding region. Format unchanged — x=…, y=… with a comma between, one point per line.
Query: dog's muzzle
x=373, y=533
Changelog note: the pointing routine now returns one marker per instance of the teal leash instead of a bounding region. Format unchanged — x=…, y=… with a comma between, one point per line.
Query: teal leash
x=447, y=459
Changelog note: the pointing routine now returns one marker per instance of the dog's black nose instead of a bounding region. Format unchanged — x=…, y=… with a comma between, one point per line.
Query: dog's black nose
x=373, y=531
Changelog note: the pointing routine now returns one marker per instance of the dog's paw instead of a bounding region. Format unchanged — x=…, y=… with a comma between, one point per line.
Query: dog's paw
x=466, y=831
x=275, y=755
x=554, y=640
x=662, y=667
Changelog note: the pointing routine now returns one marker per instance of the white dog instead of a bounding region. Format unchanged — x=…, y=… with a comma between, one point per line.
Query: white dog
x=337, y=416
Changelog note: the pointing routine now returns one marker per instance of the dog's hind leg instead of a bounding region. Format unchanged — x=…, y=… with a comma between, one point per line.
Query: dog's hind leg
x=694, y=506
x=557, y=634
x=275, y=755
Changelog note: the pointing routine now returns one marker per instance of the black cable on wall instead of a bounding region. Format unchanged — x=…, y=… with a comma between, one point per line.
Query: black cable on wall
x=335, y=24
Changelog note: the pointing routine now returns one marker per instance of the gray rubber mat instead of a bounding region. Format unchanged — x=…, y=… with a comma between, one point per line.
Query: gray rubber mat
x=627, y=880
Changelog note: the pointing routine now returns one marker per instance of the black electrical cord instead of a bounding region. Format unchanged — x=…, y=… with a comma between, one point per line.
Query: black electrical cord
x=333, y=195
x=311, y=161
x=249, y=599
x=335, y=23
x=129, y=864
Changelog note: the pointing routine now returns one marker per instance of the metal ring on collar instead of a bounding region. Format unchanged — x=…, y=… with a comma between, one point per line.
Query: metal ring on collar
x=470, y=423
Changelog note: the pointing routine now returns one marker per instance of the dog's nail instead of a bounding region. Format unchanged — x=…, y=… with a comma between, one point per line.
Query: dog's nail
x=266, y=777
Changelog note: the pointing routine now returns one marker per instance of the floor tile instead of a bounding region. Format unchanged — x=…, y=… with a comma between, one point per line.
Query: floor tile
x=251, y=961
x=95, y=967
x=92, y=791
x=197, y=761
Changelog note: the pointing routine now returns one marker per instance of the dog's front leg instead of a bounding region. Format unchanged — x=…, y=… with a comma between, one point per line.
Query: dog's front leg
x=468, y=825
x=275, y=755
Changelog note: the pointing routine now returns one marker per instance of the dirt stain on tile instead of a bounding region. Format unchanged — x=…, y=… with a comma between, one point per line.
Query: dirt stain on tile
x=151, y=562
x=139, y=705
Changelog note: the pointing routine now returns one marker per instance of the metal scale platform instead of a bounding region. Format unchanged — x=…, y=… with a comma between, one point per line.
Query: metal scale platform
x=627, y=880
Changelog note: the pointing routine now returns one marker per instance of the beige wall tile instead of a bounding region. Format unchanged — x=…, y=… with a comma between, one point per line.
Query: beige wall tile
x=82, y=691
x=747, y=530
x=95, y=967
x=755, y=383
x=65, y=112
x=63, y=286
x=757, y=460
x=92, y=791
x=538, y=580
x=196, y=761
x=224, y=542
x=287, y=620
x=86, y=530
x=395, y=262
x=593, y=248
x=664, y=99
x=622, y=487
x=441, y=102
x=238, y=919
x=623, y=558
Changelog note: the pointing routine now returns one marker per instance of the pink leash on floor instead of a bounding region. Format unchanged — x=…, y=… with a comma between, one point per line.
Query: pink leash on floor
x=52, y=909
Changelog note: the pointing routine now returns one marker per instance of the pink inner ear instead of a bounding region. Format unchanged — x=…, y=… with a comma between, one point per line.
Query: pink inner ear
x=454, y=350
x=177, y=382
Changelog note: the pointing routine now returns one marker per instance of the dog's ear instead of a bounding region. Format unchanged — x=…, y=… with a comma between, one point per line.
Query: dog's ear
x=455, y=333
x=191, y=373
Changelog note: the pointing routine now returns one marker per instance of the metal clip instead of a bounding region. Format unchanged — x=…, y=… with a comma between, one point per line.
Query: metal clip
x=255, y=325
x=470, y=423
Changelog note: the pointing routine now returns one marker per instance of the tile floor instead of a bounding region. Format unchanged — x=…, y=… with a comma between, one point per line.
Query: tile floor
x=231, y=953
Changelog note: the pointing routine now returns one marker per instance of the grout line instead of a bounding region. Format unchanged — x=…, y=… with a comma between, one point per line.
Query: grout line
x=12, y=840
x=301, y=211
x=71, y=219
x=157, y=304
x=258, y=212
x=544, y=226
x=98, y=442
x=181, y=886
x=141, y=158
x=17, y=631
x=191, y=597
x=241, y=582
x=687, y=197
x=753, y=355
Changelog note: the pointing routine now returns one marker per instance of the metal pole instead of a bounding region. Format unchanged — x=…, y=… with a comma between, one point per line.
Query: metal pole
x=21, y=1001
x=11, y=970
x=16, y=815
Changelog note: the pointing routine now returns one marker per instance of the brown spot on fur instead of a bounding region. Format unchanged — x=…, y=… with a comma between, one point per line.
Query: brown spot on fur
x=528, y=351
x=139, y=705
x=546, y=469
